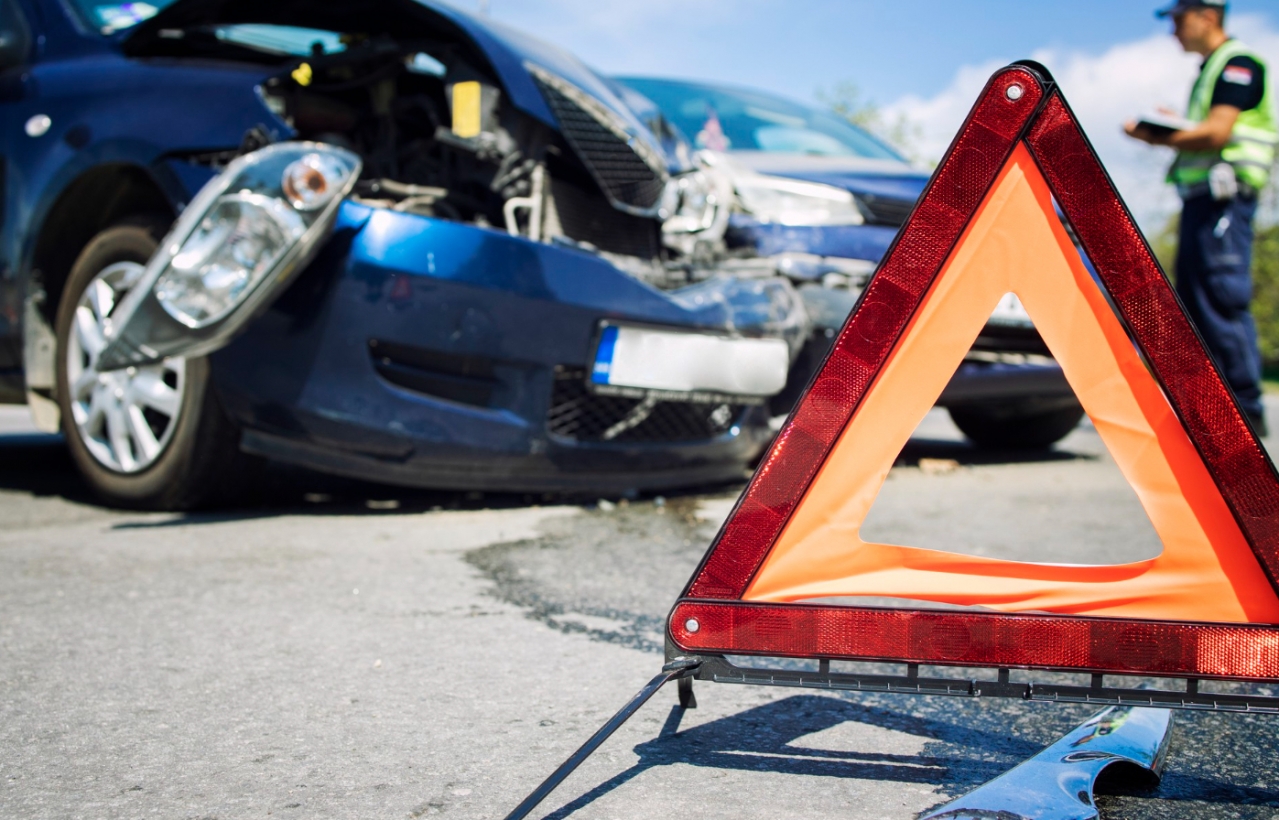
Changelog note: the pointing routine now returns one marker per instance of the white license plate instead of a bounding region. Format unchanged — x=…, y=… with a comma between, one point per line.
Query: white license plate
x=1010, y=311
x=674, y=361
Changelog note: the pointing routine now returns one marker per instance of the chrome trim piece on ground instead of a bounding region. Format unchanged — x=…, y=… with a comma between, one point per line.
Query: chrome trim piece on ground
x=1057, y=783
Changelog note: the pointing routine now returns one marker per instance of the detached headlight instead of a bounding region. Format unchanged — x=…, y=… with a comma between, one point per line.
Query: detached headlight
x=234, y=248
x=239, y=241
x=792, y=202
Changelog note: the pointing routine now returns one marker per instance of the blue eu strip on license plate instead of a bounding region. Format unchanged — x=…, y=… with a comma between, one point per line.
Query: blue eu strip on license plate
x=684, y=362
x=604, y=356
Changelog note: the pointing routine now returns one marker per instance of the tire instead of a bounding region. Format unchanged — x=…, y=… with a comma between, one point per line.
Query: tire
x=191, y=457
x=1002, y=428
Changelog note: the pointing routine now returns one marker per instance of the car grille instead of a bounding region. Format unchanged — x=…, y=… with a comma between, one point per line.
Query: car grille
x=580, y=415
x=630, y=173
x=880, y=210
x=586, y=217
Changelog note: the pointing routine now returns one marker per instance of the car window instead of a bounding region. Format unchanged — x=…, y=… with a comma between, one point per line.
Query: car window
x=112, y=17
x=282, y=39
x=15, y=35
x=724, y=119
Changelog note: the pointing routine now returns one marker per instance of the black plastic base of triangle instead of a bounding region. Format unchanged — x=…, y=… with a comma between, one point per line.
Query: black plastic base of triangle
x=720, y=670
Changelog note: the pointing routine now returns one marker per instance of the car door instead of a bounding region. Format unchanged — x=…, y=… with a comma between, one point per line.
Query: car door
x=15, y=45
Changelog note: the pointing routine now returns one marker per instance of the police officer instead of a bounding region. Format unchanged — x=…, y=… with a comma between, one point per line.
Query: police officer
x=1222, y=162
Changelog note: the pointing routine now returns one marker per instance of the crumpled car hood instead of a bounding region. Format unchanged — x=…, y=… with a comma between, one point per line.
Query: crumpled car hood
x=507, y=51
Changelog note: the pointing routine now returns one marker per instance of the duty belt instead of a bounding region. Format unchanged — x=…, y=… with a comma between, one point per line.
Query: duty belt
x=1246, y=191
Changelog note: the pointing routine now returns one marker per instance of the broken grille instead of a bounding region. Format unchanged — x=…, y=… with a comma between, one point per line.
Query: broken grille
x=580, y=415
x=630, y=172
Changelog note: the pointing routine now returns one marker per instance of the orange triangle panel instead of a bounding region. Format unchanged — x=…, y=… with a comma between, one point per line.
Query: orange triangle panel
x=1206, y=606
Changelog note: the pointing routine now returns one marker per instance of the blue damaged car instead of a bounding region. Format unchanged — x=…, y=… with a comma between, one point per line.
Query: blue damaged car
x=824, y=200
x=385, y=240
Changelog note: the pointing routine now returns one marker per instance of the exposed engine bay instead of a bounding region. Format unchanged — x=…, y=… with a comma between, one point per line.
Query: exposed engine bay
x=438, y=139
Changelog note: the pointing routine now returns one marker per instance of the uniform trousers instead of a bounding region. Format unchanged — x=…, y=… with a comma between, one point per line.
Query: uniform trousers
x=1214, y=281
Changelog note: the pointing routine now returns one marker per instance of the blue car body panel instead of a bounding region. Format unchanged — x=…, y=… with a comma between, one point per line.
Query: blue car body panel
x=463, y=291
x=303, y=381
x=869, y=242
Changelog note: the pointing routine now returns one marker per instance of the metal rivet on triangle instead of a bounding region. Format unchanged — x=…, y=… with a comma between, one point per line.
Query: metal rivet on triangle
x=1014, y=92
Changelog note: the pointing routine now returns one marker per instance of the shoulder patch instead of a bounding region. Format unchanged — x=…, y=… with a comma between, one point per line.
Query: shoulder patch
x=1237, y=74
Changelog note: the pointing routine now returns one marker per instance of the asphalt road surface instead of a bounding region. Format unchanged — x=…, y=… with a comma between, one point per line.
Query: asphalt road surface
x=345, y=650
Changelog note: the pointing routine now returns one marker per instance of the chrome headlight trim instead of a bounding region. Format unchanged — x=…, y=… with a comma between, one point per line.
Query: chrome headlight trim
x=786, y=201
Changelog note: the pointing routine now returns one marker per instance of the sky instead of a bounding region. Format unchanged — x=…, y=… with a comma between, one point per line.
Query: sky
x=925, y=60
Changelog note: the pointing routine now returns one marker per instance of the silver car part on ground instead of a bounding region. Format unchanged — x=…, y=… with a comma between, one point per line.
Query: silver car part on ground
x=145, y=330
x=125, y=418
x=1057, y=783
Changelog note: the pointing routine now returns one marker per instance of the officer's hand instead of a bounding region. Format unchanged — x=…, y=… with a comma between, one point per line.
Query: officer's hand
x=1138, y=131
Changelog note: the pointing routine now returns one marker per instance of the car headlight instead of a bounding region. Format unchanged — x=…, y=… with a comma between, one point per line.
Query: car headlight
x=696, y=205
x=236, y=245
x=793, y=202
x=239, y=241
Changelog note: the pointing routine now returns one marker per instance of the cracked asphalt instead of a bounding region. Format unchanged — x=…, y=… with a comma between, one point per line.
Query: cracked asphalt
x=346, y=650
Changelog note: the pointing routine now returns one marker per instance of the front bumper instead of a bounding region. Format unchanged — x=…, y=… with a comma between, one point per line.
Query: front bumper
x=422, y=352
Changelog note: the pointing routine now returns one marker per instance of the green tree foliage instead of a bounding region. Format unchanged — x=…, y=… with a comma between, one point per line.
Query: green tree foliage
x=1265, y=294
x=845, y=100
x=1164, y=244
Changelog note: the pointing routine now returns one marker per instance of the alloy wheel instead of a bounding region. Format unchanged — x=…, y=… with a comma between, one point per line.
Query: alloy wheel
x=125, y=418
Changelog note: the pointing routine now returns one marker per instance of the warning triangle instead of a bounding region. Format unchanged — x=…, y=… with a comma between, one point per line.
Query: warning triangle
x=987, y=225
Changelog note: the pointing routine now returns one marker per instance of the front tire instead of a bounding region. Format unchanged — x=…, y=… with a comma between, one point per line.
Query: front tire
x=151, y=437
x=999, y=427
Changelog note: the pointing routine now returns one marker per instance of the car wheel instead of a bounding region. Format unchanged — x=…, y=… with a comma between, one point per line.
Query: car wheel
x=1002, y=427
x=153, y=436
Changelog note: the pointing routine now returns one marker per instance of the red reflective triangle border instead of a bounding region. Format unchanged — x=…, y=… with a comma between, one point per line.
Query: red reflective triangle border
x=1039, y=115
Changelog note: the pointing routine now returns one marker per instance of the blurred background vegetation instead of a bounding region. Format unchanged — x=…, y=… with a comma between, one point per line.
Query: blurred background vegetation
x=845, y=99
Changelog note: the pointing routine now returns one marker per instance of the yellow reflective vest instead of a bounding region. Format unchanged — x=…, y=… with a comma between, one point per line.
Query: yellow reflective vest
x=1251, y=149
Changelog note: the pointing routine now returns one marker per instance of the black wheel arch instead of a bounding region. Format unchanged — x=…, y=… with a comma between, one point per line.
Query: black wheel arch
x=121, y=192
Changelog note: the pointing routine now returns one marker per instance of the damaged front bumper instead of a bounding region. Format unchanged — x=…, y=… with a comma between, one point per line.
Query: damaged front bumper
x=425, y=352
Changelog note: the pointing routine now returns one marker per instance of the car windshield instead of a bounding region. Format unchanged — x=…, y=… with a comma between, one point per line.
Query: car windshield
x=112, y=17
x=723, y=119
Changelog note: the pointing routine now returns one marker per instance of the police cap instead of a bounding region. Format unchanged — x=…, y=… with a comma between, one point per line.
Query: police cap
x=1182, y=6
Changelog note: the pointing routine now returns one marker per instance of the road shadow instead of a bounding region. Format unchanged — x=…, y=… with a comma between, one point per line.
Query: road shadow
x=959, y=755
x=769, y=738
x=39, y=465
x=968, y=454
